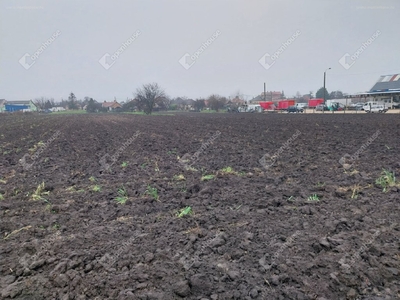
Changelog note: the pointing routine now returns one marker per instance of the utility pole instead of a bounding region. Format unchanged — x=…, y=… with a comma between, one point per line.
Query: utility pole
x=265, y=91
x=323, y=108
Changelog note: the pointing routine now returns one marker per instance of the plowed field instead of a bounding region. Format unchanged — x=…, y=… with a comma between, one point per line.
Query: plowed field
x=199, y=206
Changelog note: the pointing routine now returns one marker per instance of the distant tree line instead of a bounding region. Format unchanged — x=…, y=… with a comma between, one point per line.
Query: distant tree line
x=331, y=95
x=320, y=94
x=151, y=97
x=72, y=103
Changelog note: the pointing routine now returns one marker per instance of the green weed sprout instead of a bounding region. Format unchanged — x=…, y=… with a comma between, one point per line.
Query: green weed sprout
x=122, y=196
x=96, y=188
x=184, y=212
x=40, y=191
x=386, y=180
x=313, y=198
x=228, y=170
x=152, y=192
x=179, y=177
x=207, y=177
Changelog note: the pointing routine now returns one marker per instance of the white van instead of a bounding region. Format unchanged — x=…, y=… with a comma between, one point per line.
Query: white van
x=254, y=108
x=379, y=108
x=369, y=104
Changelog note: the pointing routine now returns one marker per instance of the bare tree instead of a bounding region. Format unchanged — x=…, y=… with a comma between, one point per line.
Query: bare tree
x=44, y=103
x=40, y=102
x=64, y=103
x=130, y=105
x=92, y=106
x=48, y=105
x=148, y=95
x=216, y=102
x=237, y=95
x=164, y=102
x=199, y=104
x=336, y=95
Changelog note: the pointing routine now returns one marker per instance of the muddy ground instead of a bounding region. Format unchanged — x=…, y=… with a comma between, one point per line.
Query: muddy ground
x=282, y=206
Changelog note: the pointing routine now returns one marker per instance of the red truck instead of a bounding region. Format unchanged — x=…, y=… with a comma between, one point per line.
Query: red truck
x=284, y=104
x=267, y=105
x=312, y=103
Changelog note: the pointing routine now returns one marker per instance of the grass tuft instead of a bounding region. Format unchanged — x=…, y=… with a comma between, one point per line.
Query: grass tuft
x=313, y=198
x=386, y=180
x=355, y=191
x=96, y=188
x=184, y=212
x=228, y=170
x=179, y=177
x=122, y=196
x=39, y=192
x=207, y=177
x=151, y=191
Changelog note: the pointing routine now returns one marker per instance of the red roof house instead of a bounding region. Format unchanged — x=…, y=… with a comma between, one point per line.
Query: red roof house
x=111, y=105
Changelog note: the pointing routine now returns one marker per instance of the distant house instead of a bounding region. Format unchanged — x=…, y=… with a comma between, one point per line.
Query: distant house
x=237, y=101
x=111, y=106
x=189, y=104
x=273, y=96
x=257, y=99
x=267, y=96
x=183, y=103
x=20, y=105
x=2, y=105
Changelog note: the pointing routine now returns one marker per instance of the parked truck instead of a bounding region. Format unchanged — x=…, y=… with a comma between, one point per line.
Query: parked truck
x=267, y=105
x=284, y=104
x=313, y=103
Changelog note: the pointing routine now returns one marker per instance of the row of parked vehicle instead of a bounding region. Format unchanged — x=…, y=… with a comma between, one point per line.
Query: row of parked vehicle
x=300, y=107
x=369, y=107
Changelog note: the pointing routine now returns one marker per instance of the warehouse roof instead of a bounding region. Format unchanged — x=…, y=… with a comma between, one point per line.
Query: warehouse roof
x=19, y=102
x=387, y=83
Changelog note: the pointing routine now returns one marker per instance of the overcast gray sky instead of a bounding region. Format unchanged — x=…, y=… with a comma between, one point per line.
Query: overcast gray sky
x=166, y=42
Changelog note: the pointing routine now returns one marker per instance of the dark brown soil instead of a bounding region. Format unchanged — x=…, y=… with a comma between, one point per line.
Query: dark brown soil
x=304, y=227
